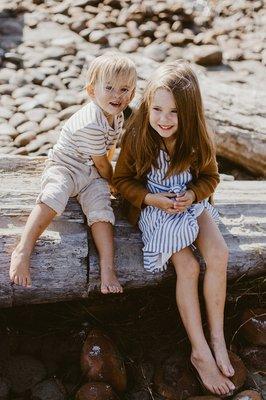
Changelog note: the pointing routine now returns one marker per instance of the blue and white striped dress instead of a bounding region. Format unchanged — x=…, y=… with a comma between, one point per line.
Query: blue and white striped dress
x=164, y=234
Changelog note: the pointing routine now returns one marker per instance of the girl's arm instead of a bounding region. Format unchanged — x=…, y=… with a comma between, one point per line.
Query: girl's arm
x=124, y=179
x=204, y=185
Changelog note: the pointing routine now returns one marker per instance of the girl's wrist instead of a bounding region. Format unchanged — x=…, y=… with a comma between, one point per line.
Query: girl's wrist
x=148, y=199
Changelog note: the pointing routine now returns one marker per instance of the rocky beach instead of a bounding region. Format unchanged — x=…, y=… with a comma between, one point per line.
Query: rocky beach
x=134, y=347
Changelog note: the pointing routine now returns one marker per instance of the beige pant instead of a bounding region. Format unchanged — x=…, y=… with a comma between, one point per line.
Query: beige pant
x=64, y=177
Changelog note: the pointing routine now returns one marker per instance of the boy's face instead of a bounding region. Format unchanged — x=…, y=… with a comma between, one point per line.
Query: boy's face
x=112, y=96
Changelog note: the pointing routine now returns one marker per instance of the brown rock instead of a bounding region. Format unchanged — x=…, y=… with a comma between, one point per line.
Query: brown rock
x=96, y=391
x=254, y=326
x=205, y=55
x=240, y=371
x=101, y=361
x=248, y=395
x=98, y=37
x=174, y=380
x=204, y=398
x=256, y=357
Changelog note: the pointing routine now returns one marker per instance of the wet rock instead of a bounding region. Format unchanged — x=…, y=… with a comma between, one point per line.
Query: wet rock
x=130, y=45
x=254, y=326
x=248, y=395
x=24, y=372
x=205, y=55
x=101, y=361
x=96, y=391
x=50, y=389
x=256, y=357
x=24, y=138
x=174, y=380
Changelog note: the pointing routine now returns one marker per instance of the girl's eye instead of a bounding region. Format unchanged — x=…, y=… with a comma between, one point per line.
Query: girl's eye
x=174, y=111
x=124, y=90
x=156, y=108
x=108, y=87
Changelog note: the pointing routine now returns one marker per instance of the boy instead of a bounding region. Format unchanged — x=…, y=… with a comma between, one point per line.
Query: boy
x=79, y=165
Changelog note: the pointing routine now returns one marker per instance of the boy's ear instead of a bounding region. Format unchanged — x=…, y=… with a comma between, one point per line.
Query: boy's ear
x=90, y=90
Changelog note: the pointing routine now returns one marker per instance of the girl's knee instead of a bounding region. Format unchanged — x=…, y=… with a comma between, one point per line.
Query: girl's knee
x=218, y=257
x=188, y=269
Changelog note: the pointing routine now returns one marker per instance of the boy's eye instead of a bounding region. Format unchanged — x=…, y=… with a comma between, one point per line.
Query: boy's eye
x=108, y=87
x=124, y=90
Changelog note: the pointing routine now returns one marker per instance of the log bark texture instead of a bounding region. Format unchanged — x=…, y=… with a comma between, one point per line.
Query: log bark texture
x=64, y=264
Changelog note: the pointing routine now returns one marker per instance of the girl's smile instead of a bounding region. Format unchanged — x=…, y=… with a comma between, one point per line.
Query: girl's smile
x=163, y=113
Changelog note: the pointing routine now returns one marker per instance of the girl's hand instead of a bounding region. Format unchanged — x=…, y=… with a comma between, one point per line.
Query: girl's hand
x=184, y=201
x=163, y=201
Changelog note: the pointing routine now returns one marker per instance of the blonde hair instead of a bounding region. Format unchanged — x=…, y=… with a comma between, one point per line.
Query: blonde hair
x=111, y=66
x=193, y=144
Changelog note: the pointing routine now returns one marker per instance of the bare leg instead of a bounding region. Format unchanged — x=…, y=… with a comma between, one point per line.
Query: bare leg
x=102, y=233
x=38, y=220
x=187, y=271
x=214, y=250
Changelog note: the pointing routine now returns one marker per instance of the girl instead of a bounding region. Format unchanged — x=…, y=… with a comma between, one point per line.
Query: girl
x=167, y=170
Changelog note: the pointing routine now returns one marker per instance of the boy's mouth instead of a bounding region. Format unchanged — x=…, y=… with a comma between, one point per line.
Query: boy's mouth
x=115, y=104
x=165, y=127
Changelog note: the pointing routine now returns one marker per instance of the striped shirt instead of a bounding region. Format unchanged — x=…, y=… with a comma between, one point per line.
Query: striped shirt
x=87, y=133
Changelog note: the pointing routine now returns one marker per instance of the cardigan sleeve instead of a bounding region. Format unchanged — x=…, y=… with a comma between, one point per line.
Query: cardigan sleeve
x=124, y=178
x=205, y=183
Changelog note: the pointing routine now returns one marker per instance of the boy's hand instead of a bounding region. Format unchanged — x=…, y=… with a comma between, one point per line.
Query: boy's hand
x=184, y=201
x=163, y=201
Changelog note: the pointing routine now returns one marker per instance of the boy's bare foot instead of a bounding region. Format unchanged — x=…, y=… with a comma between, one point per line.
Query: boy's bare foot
x=19, y=268
x=109, y=281
x=221, y=356
x=210, y=375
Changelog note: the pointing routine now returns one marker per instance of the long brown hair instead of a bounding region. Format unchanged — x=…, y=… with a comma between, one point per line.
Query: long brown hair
x=193, y=144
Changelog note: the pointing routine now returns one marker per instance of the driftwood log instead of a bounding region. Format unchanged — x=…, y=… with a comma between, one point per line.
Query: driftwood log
x=64, y=265
x=236, y=113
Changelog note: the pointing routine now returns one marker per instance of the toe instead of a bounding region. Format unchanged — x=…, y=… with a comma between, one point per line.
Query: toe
x=15, y=280
x=104, y=289
x=28, y=279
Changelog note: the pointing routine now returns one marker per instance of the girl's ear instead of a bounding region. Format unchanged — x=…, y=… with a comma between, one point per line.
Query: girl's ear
x=90, y=90
x=132, y=94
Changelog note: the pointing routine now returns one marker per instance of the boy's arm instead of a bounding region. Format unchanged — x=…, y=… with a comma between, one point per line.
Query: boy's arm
x=103, y=166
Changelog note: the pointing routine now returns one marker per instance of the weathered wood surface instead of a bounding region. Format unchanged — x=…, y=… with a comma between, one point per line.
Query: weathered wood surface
x=236, y=113
x=61, y=262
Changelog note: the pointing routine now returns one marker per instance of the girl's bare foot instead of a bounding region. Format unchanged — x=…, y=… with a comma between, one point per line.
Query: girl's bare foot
x=19, y=268
x=210, y=375
x=109, y=281
x=221, y=356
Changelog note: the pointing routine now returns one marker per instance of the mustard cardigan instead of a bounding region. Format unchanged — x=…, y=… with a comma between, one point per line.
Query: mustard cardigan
x=133, y=188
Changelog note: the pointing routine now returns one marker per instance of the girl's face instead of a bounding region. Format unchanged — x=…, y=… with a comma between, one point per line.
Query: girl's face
x=163, y=113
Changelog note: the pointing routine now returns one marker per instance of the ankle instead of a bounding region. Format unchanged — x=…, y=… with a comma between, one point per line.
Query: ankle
x=22, y=249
